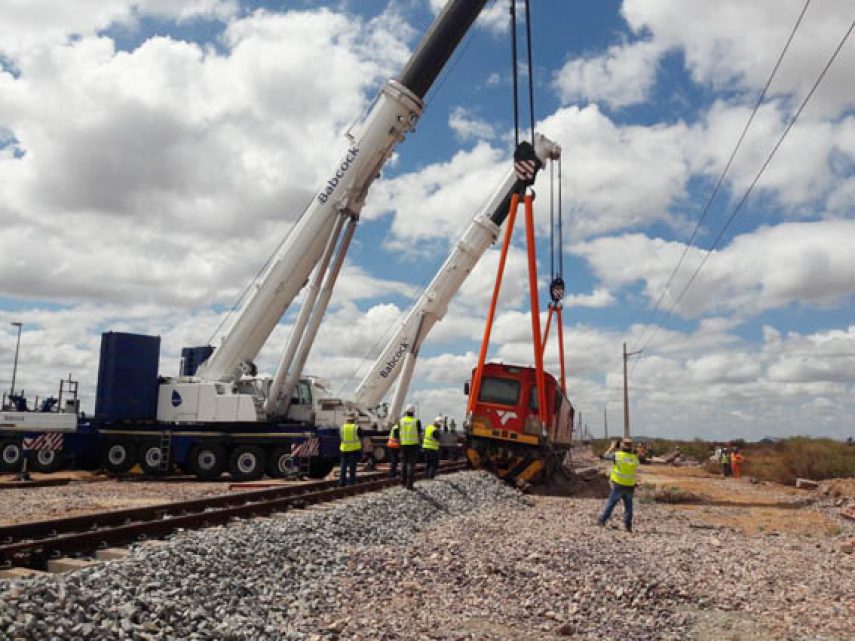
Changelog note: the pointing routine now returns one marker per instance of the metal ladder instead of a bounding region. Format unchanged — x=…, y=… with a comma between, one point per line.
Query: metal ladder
x=165, y=450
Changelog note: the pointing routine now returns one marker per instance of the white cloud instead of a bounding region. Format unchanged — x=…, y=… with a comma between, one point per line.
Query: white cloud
x=622, y=76
x=807, y=263
x=468, y=127
x=598, y=298
x=138, y=171
x=733, y=44
x=494, y=17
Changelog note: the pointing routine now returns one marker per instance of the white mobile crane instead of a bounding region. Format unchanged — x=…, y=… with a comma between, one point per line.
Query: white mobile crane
x=397, y=361
x=225, y=387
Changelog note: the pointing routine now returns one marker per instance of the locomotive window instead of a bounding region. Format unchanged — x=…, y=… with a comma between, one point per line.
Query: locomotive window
x=504, y=391
x=533, y=402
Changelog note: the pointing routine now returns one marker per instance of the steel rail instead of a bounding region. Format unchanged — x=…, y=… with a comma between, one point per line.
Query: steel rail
x=116, y=528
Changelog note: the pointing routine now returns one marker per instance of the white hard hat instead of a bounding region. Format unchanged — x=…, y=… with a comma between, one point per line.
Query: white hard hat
x=439, y=420
x=410, y=409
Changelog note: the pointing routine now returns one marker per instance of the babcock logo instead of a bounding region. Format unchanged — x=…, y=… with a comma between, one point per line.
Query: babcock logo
x=396, y=358
x=333, y=182
x=176, y=398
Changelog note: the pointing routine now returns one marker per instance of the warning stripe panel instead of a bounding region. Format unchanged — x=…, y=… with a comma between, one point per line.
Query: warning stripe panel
x=51, y=441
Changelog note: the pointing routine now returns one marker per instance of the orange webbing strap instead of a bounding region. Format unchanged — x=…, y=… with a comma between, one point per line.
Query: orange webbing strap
x=560, y=322
x=546, y=330
x=485, y=341
x=535, y=308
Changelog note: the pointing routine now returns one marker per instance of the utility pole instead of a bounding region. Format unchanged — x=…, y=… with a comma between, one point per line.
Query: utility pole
x=17, y=348
x=626, y=392
x=605, y=424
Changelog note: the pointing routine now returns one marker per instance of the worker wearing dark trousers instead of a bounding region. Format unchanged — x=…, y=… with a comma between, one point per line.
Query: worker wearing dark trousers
x=430, y=447
x=393, y=446
x=624, y=464
x=350, y=450
x=409, y=430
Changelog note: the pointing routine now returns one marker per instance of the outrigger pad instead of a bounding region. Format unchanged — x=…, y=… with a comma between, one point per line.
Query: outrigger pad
x=526, y=162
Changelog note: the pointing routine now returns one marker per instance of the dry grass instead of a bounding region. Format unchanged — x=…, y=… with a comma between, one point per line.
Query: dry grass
x=801, y=457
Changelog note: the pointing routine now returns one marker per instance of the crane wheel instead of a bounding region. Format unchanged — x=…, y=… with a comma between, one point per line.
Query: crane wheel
x=247, y=463
x=152, y=460
x=46, y=461
x=282, y=464
x=118, y=456
x=207, y=462
x=11, y=455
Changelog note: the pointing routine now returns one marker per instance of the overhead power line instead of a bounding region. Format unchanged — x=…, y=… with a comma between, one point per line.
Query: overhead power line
x=750, y=188
x=725, y=171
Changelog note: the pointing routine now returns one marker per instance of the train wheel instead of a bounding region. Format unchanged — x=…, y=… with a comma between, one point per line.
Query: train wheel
x=247, y=463
x=207, y=462
x=46, y=461
x=118, y=456
x=282, y=464
x=11, y=455
x=152, y=460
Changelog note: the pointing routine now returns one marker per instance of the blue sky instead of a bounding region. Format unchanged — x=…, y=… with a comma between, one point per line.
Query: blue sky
x=152, y=154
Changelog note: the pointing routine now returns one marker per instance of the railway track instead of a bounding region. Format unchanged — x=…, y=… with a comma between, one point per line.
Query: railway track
x=33, y=544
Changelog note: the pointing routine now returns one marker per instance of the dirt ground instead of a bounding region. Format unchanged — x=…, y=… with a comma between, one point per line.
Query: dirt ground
x=740, y=504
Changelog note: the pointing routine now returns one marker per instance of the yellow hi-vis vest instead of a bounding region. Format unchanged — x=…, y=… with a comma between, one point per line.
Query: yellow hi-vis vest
x=349, y=439
x=623, y=468
x=430, y=442
x=409, y=430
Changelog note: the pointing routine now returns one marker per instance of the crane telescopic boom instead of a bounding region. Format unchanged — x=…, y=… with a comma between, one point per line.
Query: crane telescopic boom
x=393, y=115
x=223, y=388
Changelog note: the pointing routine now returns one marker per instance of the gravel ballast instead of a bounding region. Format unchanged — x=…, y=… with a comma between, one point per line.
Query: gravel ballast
x=262, y=579
x=463, y=557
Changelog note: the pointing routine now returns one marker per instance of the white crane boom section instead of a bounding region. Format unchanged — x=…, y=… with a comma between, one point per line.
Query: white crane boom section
x=393, y=115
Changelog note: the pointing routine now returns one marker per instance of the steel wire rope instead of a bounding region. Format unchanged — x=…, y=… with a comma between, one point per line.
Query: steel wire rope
x=751, y=186
x=723, y=173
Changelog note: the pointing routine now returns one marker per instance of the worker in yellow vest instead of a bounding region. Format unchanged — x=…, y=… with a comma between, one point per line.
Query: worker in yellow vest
x=622, y=478
x=409, y=431
x=350, y=449
x=430, y=446
x=393, y=446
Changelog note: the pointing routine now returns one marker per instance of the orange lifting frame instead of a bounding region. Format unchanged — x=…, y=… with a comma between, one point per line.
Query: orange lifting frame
x=556, y=310
x=535, y=307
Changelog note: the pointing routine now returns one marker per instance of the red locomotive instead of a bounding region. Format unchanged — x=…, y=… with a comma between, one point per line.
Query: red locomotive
x=505, y=433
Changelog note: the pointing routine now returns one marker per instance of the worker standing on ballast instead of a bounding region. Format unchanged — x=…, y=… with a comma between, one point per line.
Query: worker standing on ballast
x=409, y=431
x=622, y=480
x=430, y=446
x=393, y=446
x=350, y=450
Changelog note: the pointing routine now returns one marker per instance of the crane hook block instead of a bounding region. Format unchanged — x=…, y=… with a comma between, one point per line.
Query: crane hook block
x=526, y=162
x=556, y=289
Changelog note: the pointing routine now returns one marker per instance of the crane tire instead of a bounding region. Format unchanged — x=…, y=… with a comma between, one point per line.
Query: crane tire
x=118, y=456
x=46, y=461
x=150, y=457
x=207, y=462
x=11, y=455
x=247, y=463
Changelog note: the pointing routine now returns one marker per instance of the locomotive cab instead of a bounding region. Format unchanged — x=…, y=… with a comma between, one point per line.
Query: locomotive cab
x=504, y=432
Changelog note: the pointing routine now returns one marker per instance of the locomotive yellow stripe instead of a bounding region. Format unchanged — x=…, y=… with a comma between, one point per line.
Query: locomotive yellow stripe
x=504, y=435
